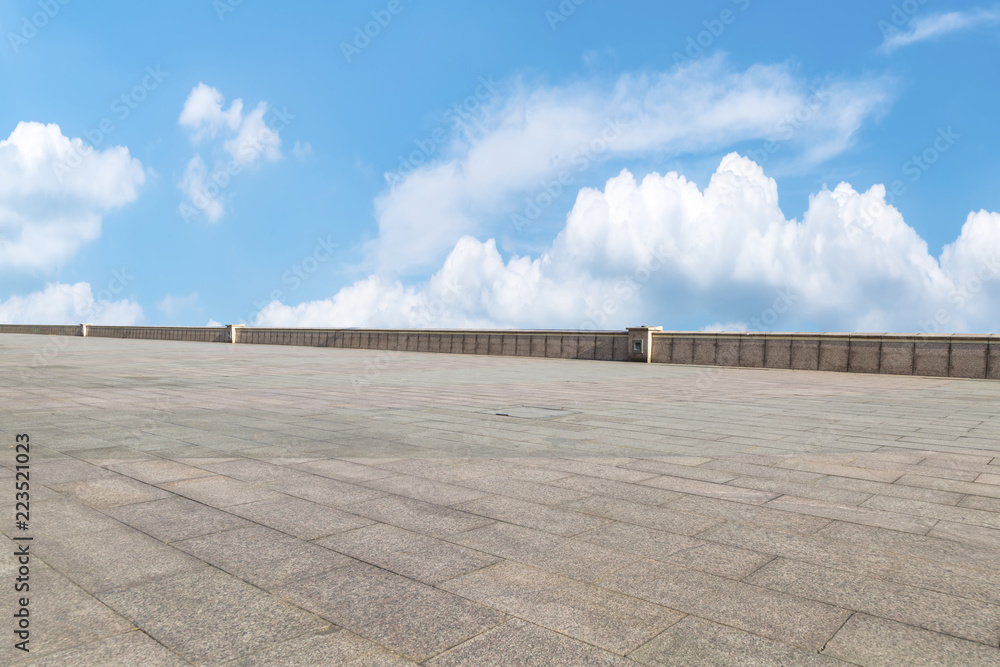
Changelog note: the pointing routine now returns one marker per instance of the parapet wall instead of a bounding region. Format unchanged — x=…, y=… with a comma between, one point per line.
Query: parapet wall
x=964, y=356
x=49, y=329
x=957, y=355
x=196, y=334
x=603, y=345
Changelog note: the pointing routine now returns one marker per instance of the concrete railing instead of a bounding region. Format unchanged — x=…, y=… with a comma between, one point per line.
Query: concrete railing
x=958, y=355
x=197, y=334
x=49, y=329
x=602, y=345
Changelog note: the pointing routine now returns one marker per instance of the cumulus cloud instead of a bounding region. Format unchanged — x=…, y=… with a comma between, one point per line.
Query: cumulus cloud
x=54, y=191
x=660, y=250
x=520, y=140
x=60, y=303
x=238, y=140
x=172, y=306
x=203, y=113
x=923, y=28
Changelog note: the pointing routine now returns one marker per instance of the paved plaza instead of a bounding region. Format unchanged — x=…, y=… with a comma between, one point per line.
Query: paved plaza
x=209, y=504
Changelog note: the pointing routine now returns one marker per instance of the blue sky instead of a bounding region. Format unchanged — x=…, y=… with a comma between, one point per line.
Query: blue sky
x=611, y=120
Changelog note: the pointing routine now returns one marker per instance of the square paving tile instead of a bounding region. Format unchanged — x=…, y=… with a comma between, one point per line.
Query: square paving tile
x=671, y=520
x=343, y=470
x=793, y=620
x=299, y=517
x=124, y=650
x=175, y=518
x=865, y=640
x=329, y=646
x=407, y=553
x=208, y=616
x=520, y=644
x=64, y=470
x=532, y=515
x=959, y=617
x=695, y=641
x=697, y=554
x=105, y=492
x=219, y=491
x=609, y=620
x=398, y=613
x=418, y=516
x=63, y=615
x=159, y=471
x=62, y=517
x=113, y=559
x=572, y=557
x=427, y=490
x=323, y=490
x=262, y=556
x=617, y=489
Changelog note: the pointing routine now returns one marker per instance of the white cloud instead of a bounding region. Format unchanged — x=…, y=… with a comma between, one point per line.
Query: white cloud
x=203, y=113
x=172, y=306
x=254, y=139
x=60, y=303
x=213, y=323
x=662, y=251
x=53, y=192
x=302, y=150
x=194, y=186
x=522, y=142
x=727, y=326
x=246, y=138
x=923, y=28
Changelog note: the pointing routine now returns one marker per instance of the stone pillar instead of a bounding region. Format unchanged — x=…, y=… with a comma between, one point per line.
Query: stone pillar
x=83, y=329
x=234, y=332
x=640, y=343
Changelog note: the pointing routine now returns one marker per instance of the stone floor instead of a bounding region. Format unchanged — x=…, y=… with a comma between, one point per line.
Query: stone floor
x=209, y=504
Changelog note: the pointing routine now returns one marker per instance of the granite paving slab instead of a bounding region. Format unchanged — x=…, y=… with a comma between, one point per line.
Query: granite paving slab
x=197, y=503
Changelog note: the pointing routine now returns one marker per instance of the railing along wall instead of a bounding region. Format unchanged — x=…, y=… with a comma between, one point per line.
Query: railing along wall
x=956, y=355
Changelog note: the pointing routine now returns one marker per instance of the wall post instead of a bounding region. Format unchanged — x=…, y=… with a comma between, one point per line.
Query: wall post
x=233, y=332
x=640, y=343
